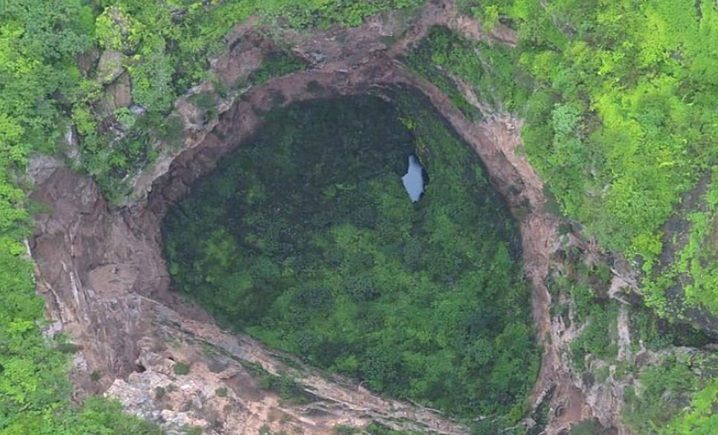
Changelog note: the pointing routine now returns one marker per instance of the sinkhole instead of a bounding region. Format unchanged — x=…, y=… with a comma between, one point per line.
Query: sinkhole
x=310, y=238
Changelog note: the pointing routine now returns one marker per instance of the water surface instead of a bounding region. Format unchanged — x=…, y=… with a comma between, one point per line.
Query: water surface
x=414, y=180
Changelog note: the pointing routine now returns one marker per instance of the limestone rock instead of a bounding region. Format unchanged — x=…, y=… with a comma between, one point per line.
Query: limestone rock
x=110, y=66
x=121, y=91
x=117, y=94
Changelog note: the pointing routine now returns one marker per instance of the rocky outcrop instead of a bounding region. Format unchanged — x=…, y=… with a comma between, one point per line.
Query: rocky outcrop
x=110, y=66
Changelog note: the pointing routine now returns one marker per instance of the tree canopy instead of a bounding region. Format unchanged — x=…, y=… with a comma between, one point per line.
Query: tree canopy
x=306, y=239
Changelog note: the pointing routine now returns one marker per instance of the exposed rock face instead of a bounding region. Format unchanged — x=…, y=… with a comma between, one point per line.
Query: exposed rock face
x=117, y=94
x=110, y=66
x=106, y=284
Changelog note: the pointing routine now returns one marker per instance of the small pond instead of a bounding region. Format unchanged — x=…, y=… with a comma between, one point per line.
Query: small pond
x=413, y=180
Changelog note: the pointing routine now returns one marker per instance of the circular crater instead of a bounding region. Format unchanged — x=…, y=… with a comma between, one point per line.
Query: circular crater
x=306, y=238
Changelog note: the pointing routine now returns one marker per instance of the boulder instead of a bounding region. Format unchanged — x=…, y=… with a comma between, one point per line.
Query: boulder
x=117, y=94
x=121, y=91
x=110, y=66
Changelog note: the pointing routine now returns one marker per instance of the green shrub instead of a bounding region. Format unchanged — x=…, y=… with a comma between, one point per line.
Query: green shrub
x=181, y=368
x=664, y=391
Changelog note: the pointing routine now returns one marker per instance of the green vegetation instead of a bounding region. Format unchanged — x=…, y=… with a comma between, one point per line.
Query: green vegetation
x=38, y=43
x=47, y=85
x=378, y=429
x=166, y=48
x=432, y=55
x=443, y=57
x=677, y=396
x=656, y=333
x=619, y=111
x=587, y=427
x=590, y=309
x=306, y=239
x=618, y=99
x=697, y=258
x=283, y=385
x=286, y=387
x=700, y=418
x=192, y=430
x=598, y=338
x=275, y=65
x=97, y=416
x=181, y=368
x=34, y=388
x=159, y=49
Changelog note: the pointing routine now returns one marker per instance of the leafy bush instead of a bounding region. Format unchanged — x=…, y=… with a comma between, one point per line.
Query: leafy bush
x=598, y=337
x=275, y=65
x=181, y=368
x=700, y=417
x=663, y=392
x=152, y=77
x=115, y=29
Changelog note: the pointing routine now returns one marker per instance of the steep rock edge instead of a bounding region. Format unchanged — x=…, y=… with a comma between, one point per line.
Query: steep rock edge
x=106, y=283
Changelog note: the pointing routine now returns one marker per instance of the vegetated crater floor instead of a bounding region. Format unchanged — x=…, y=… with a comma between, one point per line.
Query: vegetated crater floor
x=305, y=238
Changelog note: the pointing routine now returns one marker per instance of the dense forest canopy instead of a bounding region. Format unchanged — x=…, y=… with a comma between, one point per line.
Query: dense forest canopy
x=306, y=239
